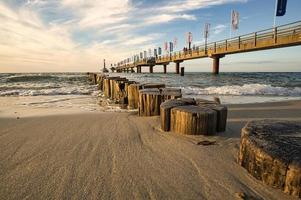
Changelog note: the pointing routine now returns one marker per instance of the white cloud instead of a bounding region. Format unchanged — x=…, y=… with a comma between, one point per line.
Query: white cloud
x=186, y=5
x=219, y=29
x=27, y=43
x=164, y=18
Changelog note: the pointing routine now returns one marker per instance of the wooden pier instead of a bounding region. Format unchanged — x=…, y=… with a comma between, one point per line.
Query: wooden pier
x=282, y=36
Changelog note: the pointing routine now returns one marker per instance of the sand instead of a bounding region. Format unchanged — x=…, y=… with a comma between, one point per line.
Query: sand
x=122, y=156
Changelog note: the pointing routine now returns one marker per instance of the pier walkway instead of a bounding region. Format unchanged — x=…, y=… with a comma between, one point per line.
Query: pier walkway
x=282, y=36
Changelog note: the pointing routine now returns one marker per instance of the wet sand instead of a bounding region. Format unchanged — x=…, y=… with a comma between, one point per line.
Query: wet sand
x=121, y=156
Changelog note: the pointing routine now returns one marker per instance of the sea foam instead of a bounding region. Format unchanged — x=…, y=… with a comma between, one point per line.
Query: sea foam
x=244, y=90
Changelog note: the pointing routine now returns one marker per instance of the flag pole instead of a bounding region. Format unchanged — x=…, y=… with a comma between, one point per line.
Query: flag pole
x=274, y=25
x=231, y=23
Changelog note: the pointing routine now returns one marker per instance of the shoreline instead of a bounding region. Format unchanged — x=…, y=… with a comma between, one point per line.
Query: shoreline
x=119, y=155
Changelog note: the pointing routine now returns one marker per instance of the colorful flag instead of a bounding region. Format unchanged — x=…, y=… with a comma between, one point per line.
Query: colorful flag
x=234, y=20
x=281, y=7
x=165, y=46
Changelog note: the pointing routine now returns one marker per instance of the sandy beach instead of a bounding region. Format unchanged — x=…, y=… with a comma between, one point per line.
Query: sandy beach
x=82, y=155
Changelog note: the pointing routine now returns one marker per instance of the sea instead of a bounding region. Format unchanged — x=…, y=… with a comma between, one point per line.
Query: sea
x=73, y=90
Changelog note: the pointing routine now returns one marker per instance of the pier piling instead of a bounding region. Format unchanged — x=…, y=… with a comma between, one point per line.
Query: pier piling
x=151, y=69
x=216, y=59
x=182, y=71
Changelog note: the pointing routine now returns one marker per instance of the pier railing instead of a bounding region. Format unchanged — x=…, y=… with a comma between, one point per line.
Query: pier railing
x=280, y=36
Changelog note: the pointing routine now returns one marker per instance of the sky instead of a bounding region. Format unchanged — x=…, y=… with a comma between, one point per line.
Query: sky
x=76, y=35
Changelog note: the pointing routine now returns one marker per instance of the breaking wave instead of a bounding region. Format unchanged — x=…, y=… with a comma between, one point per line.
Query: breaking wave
x=244, y=90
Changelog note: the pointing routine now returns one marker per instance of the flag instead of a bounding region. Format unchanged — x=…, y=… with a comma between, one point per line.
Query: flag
x=189, y=38
x=170, y=47
x=149, y=53
x=234, y=20
x=165, y=46
x=281, y=7
x=206, y=30
x=175, y=42
x=159, y=51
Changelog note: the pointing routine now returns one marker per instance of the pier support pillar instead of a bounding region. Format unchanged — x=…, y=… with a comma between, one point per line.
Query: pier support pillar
x=138, y=69
x=182, y=71
x=164, y=69
x=151, y=69
x=216, y=62
x=178, y=66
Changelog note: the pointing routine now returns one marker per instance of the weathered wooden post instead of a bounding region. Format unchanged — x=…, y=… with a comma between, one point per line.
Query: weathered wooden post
x=107, y=86
x=222, y=113
x=271, y=152
x=149, y=102
x=100, y=81
x=120, y=95
x=182, y=71
x=165, y=109
x=112, y=86
x=133, y=95
x=170, y=93
x=153, y=85
x=193, y=120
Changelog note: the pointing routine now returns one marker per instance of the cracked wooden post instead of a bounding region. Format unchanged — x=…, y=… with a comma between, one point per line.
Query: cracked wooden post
x=270, y=150
x=165, y=109
x=193, y=120
x=149, y=102
x=222, y=113
x=133, y=95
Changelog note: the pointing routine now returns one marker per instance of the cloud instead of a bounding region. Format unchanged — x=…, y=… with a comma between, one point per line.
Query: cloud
x=165, y=18
x=74, y=35
x=187, y=5
x=219, y=29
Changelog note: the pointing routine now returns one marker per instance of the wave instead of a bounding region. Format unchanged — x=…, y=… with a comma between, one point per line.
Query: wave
x=244, y=90
x=30, y=87
x=43, y=78
x=29, y=78
x=50, y=92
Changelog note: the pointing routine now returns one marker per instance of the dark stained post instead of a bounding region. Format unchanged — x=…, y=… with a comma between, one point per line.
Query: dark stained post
x=164, y=69
x=182, y=71
x=151, y=69
x=177, y=67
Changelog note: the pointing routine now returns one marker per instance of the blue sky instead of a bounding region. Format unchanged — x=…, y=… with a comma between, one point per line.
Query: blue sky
x=75, y=35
